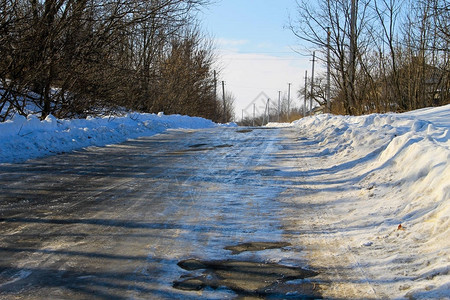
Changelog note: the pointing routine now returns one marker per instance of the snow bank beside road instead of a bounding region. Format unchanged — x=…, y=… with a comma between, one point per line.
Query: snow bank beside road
x=396, y=215
x=24, y=138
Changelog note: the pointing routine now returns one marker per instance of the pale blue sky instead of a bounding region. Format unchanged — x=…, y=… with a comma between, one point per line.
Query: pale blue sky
x=260, y=23
x=255, y=49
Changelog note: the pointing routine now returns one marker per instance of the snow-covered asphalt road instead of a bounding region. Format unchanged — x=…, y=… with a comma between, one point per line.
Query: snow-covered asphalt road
x=115, y=222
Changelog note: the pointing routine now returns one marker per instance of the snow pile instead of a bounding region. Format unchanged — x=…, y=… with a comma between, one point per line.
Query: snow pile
x=415, y=153
x=396, y=213
x=24, y=138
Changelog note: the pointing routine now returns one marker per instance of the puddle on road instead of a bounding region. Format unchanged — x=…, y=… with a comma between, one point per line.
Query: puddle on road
x=249, y=278
x=244, y=130
x=247, y=130
x=256, y=246
x=199, y=147
x=224, y=146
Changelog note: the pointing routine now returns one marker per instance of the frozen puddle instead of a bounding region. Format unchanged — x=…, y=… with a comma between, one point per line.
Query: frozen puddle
x=249, y=278
x=200, y=147
x=256, y=246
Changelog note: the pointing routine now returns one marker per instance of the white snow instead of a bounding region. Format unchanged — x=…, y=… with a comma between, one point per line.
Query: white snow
x=24, y=138
x=384, y=194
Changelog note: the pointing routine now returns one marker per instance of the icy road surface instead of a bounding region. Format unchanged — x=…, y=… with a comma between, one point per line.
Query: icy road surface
x=115, y=222
x=221, y=213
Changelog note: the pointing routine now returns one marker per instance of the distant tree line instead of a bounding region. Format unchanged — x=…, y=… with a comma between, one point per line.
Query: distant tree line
x=398, y=59
x=282, y=111
x=295, y=113
x=74, y=58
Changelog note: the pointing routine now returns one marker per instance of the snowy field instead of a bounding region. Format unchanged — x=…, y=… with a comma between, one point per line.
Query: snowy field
x=384, y=183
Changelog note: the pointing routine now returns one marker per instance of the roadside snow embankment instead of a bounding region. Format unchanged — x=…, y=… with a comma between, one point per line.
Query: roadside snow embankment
x=400, y=163
x=24, y=138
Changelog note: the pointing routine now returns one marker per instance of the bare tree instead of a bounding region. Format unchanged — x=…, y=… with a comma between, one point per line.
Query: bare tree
x=401, y=67
x=72, y=58
x=312, y=24
x=186, y=82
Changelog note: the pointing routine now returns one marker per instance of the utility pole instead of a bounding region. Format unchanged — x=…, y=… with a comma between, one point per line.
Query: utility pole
x=254, y=108
x=328, y=71
x=351, y=71
x=224, y=105
x=312, y=84
x=279, y=105
x=268, y=110
x=264, y=115
x=242, y=118
x=306, y=93
x=215, y=96
x=289, y=102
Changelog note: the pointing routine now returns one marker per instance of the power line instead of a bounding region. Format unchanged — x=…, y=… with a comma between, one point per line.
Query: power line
x=258, y=52
x=262, y=59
